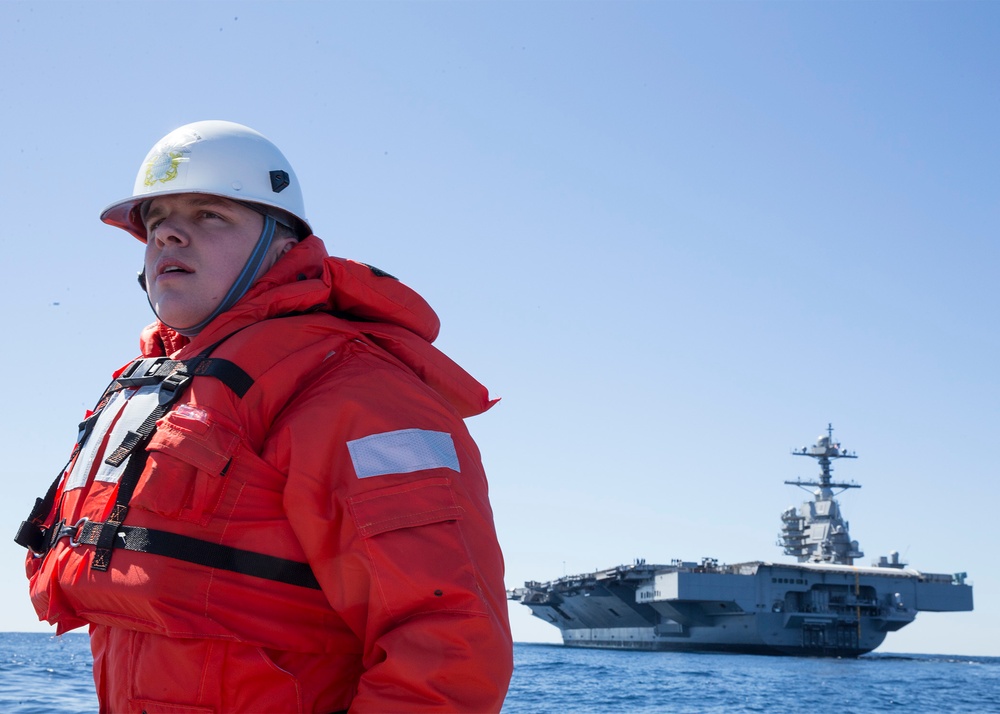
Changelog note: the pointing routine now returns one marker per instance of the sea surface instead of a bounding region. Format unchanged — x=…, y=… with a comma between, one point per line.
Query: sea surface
x=40, y=673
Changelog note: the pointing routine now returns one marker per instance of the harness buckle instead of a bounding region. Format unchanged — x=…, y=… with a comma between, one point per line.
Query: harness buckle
x=77, y=527
x=143, y=372
x=173, y=385
x=62, y=531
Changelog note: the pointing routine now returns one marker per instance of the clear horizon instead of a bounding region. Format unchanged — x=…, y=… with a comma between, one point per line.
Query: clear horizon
x=676, y=239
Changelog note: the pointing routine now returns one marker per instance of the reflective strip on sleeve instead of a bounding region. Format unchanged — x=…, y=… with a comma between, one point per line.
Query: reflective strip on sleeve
x=401, y=452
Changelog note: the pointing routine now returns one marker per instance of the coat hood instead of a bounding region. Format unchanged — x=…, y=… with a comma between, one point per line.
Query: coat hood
x=308, y=279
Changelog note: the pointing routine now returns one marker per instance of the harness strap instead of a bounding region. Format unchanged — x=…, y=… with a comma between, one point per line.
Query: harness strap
x=130, y=446
x=160, y=369
x=174, y=377
x=229, y=373
x=193, y=550
x=175, y=381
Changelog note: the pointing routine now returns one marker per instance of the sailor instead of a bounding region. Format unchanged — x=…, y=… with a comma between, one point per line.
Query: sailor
x=277, y=507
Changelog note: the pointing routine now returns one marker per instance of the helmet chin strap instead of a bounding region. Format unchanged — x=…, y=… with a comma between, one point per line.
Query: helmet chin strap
x=246, y=278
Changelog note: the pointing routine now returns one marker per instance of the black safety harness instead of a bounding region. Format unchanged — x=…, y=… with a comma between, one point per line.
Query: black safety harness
x=173, y=377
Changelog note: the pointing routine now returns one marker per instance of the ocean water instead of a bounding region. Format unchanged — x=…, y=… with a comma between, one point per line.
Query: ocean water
x=43, y=674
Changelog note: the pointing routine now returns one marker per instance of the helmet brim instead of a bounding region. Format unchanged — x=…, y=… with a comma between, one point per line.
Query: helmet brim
x=126, y=214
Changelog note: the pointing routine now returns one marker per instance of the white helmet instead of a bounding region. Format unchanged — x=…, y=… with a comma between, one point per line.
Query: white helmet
x=219, y=158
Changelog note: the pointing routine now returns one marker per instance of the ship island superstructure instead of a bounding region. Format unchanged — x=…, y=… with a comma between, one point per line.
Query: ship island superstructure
x=821, y=605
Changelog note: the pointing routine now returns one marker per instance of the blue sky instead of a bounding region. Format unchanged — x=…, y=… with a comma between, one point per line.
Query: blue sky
x=676, y=238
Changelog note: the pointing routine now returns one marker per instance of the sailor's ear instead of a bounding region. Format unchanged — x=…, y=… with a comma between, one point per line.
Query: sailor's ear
x=289, y=243
x=141, y=277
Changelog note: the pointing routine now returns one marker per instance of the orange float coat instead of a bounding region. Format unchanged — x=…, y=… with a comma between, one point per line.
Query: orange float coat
x=347, y=455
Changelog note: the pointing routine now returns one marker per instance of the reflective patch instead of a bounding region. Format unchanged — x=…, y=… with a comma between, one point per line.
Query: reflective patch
x=85, y=459
x=124, y=412
x=139, y=407
x=402, y=452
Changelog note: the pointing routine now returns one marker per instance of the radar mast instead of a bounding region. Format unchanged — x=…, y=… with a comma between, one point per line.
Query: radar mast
x=817, y=532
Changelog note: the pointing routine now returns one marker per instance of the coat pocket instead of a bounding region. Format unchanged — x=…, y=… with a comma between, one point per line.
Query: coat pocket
x=417, y=548
x=189, y=456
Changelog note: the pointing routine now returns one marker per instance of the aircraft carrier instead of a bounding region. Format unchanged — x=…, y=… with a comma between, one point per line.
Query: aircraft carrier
x=822, y=605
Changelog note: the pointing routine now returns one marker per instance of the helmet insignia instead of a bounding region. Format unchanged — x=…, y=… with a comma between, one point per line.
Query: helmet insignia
x=163, y=162
x=163, y=167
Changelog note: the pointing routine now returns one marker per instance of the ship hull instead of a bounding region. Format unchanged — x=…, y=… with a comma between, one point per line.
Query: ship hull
x=750, y=608
x=722, y=640
x=750, y=634
x=594, y=641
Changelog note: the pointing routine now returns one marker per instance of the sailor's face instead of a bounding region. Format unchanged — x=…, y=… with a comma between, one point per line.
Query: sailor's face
x=197, y=246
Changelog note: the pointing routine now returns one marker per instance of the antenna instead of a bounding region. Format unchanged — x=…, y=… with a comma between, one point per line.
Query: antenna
x=825, y=451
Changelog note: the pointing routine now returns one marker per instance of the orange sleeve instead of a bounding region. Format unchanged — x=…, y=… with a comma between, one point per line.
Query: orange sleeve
x=387, y=496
